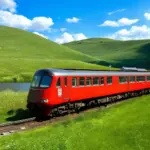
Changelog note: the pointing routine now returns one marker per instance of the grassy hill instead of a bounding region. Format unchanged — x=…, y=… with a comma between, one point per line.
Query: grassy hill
x=22, y=53
x=118, y=53
x=125, y=126
x=28, y=45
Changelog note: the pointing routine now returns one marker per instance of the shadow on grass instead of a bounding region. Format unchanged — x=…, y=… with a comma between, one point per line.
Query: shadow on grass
x=103, y=63
x=18, y=114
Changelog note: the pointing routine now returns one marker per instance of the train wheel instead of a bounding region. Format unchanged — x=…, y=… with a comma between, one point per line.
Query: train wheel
x=77, y=110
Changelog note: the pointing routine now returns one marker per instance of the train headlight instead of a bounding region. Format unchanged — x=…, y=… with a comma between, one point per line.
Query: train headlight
x=44, y=100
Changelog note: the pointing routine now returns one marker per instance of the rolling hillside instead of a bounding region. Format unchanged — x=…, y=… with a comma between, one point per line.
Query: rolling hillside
x=16, y=43
x=22, y=53
x=118, y=53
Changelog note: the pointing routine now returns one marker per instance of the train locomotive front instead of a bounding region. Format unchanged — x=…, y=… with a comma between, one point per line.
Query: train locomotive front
x=41, y=93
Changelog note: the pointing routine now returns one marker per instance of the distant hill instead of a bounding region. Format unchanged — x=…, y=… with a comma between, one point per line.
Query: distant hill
x=22, y=53
x=115, y=52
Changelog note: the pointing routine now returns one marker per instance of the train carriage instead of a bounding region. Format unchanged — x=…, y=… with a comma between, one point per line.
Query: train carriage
x=69, y=89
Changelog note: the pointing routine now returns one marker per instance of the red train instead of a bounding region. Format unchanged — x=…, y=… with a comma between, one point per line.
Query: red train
x=54, y=91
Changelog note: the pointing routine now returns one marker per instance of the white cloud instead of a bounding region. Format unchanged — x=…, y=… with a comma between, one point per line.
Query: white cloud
x=37, y=33
x=79, y=36
x=147, y=16
x=110, y=23
x=20, y=21
x=121, y=22
x=8, y=5
x=67, y=37
x=134, y=33
x=13, y=20
x=113, y=12
x=41, y=23
x=73, y=20
x=126, y=21
x=63, y=29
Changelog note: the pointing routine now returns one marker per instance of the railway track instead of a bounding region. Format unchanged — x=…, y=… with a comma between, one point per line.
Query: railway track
x=25, y=124
x=30, y=123
x=17, y=122
x=14, y=126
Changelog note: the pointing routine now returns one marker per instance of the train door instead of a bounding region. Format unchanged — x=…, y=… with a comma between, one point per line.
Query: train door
x=66, y=95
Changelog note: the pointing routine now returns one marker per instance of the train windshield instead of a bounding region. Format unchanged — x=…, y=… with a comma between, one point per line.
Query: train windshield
x=41, y=81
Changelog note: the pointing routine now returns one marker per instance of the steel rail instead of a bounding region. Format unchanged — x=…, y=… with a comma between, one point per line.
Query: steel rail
x=17, y=122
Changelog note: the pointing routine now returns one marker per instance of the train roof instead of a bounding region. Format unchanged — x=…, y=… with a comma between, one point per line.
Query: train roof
x=80, y=72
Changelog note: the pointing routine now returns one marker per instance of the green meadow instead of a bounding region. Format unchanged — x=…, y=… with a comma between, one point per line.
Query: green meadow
x=22, y=70
x=125, y=126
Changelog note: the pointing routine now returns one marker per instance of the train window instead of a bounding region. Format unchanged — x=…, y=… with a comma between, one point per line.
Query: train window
x=58, y=82
x=46, y=81
x=65, y=81
x=74, y=81
x=88, y=81
x=140, y=78
x=35, y=81
x=95, y=81
x=81, y=81
x=132, y=79
x=102, y=80
x=109, y=80
x=148, y=78
x=123, y=79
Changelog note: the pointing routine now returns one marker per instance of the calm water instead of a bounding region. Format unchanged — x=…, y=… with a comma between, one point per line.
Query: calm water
x=15, y=86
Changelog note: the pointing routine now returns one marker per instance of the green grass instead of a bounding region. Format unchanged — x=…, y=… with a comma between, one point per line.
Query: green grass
x=118, y=53
x=17, y=43
x=125, y=126
x=23, y=70
x=22, y=53
x=13, y=106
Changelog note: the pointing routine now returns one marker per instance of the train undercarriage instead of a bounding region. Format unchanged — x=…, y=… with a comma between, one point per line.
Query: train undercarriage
x=76, y=107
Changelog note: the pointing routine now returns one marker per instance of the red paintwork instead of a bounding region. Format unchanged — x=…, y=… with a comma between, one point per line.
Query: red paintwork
x=73, y=94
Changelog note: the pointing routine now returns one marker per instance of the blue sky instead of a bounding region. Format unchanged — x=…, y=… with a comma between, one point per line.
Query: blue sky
x=65, y=21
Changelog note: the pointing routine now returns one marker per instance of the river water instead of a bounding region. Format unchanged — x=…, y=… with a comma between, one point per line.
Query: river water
x=15, y=86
